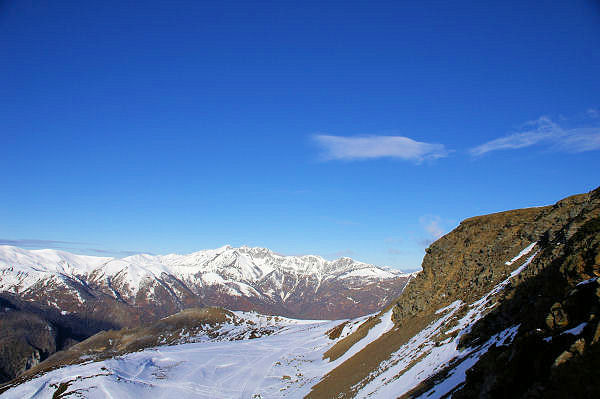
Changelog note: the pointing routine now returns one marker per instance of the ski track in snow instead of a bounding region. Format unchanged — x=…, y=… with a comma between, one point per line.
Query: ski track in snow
x=285, y=364
x=235, y=369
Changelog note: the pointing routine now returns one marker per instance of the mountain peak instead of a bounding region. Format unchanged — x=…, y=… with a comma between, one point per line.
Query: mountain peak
x=242, y=278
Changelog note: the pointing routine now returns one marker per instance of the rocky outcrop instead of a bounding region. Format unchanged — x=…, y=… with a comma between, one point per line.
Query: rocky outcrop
x=509, y=298
x=507, y=305
x=556, y=353
x=471, y=259
x=554, y=302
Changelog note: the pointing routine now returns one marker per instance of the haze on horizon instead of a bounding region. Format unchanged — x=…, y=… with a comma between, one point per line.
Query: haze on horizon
x=358, y=129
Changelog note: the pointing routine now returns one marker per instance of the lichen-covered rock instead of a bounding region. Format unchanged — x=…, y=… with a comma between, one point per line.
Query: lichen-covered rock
x=578, y=347
x=556, y=303
x=534, y=270
x=596, y=337
x=557, y=318
x=562, y=358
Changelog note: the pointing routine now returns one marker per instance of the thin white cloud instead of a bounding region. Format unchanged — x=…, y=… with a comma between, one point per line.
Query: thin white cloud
x=546, y=132
x=433, y=227
x=373, y=147
x=38, y=243
x=35, y=243
x=431, y=224
x=581, y=140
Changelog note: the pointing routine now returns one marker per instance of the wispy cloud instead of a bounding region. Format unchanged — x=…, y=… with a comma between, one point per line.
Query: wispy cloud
x=431, y=224
x=36, y=243
x=546, y=132
x=433, y=228
x=33, y=243
x=373, y=147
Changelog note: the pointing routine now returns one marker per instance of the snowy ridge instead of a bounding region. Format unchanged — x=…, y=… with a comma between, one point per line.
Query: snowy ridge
x=236, y=272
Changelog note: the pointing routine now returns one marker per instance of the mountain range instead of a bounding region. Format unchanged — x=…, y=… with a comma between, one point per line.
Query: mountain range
x=238, y=278
x=75, y=296
x=507, y=305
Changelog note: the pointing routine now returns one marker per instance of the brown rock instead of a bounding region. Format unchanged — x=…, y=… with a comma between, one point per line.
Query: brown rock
x=596, y=334
x=578, y=346
x=562, y=358
x=557, y=318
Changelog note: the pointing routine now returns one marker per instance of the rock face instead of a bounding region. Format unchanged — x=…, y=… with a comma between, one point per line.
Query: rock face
x=507, y=305
x=468, y=261
x=80, y=295
x=557, y=306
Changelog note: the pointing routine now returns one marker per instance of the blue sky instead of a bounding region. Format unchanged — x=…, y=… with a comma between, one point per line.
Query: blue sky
x=362, y=129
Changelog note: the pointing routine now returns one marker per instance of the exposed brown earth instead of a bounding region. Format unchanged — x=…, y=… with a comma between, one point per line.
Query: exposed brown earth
x=335, y=332
x=342, y=346
x=336, y=384
x=466, y=263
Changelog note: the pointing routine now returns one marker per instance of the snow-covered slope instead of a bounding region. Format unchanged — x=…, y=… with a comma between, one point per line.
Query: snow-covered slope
x=287, y=362
x=239, y=278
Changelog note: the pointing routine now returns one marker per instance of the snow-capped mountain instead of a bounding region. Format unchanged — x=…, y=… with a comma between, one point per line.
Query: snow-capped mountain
x=506, y=306
x=237, y=278
x=288, y=362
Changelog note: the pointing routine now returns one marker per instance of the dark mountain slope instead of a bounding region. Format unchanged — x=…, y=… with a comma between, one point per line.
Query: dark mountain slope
x=556, y=353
